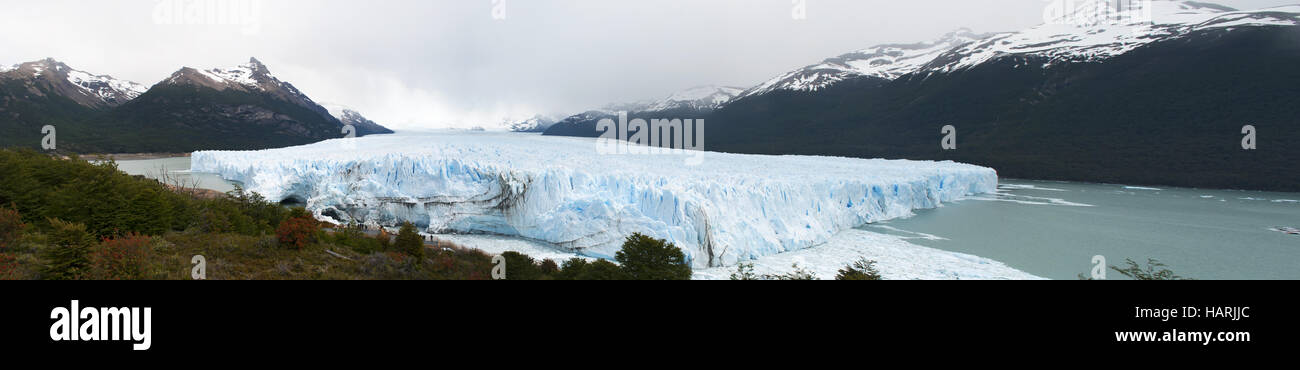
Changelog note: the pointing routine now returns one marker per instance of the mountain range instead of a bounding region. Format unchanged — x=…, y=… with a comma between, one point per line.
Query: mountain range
x=241, y=107
x=1159, y=95
x=696, y=102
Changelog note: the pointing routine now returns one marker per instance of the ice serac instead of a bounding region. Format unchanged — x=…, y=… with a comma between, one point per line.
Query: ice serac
x=727, y=209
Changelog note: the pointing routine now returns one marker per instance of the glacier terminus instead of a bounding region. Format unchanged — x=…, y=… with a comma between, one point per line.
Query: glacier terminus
x=730, y=208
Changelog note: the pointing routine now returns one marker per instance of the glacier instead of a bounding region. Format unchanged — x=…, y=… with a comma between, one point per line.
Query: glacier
x=719, y=208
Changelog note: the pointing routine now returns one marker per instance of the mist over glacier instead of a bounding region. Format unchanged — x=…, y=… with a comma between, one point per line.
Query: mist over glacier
x=727, y=209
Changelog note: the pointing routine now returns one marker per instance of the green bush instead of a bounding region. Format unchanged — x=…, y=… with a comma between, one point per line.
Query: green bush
x=799, y=273
x=744, y=271
x=67, y=256
x=861, y=269
x=571, y=269
x=646, y=258
x=409, y=241
x=603, y=270
x=521, y=267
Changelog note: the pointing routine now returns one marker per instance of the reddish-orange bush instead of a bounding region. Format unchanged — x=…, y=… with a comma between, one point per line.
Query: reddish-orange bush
x=8, y=267
x=11, y=227
x=121, y=258
x=297, y=232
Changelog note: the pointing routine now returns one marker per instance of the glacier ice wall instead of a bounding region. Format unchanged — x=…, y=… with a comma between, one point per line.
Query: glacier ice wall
x=726, y=209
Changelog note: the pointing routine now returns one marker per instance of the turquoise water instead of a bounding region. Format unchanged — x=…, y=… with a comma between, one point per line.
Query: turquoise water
x=1053, y=229
x=177, y=168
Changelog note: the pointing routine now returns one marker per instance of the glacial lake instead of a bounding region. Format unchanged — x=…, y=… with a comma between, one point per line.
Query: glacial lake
x=177, y=168
x=1053, y=229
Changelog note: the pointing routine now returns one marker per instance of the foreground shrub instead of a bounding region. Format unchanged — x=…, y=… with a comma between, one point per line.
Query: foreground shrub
x=744, y=271
x=799, y=273
x=11, y=227
x=125, y=257
x=409, y=241
x=862, y=269
x=603, y=270
x=646, y=258
x=521, y=267
x=297, y=232
x=67, y=256
x=8, y=267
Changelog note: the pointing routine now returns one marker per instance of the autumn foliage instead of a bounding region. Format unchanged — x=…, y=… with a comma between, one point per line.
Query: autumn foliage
x=297, y=232
x=125, y=257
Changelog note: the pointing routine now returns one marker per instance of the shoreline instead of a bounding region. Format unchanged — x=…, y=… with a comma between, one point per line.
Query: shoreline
x=136, y=156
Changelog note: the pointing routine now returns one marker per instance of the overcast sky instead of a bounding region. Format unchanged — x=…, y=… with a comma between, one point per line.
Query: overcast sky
x=439, y=63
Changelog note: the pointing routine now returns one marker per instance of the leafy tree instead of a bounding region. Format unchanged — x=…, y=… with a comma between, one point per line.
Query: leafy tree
x=799, y=273
x=66, y=258
x=409, y=241
x=548, y=267
x=861, y=269
x=572, y=269
x=646, y=258
x=744, y=271
x=521, y=267
x=603, y=270
x=384, y=241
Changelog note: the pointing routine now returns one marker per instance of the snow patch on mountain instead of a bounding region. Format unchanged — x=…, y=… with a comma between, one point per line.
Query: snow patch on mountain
x=1089, y=34
x=83, y=87
x=887, y=61
x=728, y=209
x=106, y=87
x=697, y=98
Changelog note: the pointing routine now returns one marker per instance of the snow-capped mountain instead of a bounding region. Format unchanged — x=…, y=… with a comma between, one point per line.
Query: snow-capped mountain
x=697, y=98
x=692, y=103
x=1093, y=32
x=241, y=107
x=536, y=123
x=1078, y=98
x=348, y=116
x=252, y=77
x=1090, y=31
x=887, y=61
x=87, y=89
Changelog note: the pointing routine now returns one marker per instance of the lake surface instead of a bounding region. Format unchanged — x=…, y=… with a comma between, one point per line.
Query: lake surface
x=1053, y=229
x=178, y=168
